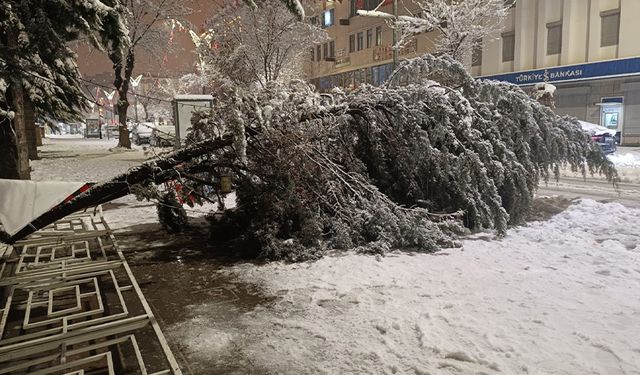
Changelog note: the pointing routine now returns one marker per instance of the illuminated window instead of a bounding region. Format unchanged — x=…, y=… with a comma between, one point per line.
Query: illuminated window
x=328, y=18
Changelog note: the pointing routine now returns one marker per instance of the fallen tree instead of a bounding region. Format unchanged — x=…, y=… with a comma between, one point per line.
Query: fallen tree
x=389, y=167
x=145, y=175
x=376, y=169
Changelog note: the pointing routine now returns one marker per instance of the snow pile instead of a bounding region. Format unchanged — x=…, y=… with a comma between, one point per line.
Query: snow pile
x=595, y=129
x=627, y=160
x=561, y=296
x=541, y=89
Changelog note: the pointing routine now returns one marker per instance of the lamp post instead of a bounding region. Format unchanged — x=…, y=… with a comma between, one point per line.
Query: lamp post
x=134, y=84
x=110, y=96
x=395, y=35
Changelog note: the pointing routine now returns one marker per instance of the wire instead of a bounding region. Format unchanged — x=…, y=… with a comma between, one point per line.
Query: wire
x=142, y=95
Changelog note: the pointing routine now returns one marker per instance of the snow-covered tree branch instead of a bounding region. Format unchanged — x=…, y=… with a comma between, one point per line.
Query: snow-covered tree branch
x=383, y=167
x=461, y=25
x=258, y=46
x=38, y=68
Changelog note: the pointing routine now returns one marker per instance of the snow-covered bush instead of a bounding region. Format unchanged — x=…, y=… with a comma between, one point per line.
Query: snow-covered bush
x=386, y=167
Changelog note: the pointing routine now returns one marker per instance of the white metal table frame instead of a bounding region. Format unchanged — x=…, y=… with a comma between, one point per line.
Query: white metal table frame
x=54, y=318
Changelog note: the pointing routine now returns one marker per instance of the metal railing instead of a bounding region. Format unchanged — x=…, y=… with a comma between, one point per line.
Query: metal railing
x=71, y=305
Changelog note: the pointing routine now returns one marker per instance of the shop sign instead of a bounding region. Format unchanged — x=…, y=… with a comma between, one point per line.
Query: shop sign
x=411, y=47
x=597, y=70
x=342, y=62
x=382, y=53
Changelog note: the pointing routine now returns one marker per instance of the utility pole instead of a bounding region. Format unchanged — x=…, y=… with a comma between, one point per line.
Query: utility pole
x=395, y=35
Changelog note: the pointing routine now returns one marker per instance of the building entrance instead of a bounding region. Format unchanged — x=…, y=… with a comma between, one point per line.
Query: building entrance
x=611, y=115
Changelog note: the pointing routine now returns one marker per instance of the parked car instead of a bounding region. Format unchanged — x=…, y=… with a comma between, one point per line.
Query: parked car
x=163, y=136
x=141, y=132
x=604, y=137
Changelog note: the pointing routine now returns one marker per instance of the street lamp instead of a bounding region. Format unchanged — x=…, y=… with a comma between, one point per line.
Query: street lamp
x=134, y=84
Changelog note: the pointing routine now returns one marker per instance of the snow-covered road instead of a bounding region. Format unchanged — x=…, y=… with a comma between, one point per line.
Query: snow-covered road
x=555, y=297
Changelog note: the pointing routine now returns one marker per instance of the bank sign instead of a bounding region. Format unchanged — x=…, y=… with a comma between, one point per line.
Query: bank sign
x=597, y=70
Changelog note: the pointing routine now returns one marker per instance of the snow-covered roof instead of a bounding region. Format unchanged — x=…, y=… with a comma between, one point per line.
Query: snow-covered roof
x=595, y=129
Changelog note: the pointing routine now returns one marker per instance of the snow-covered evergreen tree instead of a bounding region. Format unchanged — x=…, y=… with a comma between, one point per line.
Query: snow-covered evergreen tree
x=37, y=65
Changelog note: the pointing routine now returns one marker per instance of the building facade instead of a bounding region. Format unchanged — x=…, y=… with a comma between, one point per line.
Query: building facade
x=359, y=50
x=588, y=49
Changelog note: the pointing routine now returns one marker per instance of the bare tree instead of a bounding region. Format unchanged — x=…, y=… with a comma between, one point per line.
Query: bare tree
x=462, y=25
x=257, y=46
x=148, y=31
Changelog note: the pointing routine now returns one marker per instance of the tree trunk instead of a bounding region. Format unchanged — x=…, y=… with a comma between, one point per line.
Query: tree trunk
x=121, y=83
x=146, y=111
x=18, y=131
x=14, y=158
x=30, y=121
x=9, y=154
x=123, y=131
x=158, y=171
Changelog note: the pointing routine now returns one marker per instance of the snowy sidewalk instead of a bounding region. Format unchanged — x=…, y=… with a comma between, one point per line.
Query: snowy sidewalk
x=555, y=297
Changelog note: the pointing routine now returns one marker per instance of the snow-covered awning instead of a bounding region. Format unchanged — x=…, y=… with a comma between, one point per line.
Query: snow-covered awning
x=21, y=201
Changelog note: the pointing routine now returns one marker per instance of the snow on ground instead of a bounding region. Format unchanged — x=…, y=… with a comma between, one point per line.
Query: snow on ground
x=66, y=158
x=555, y=297
x=627, y=162
x=626, y=159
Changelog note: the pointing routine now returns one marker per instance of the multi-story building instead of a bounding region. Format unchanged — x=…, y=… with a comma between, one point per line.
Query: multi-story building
x=589, y=49
x=360, y=48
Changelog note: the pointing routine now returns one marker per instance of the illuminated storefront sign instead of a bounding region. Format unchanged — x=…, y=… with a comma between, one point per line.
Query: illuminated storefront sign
x=597, y=70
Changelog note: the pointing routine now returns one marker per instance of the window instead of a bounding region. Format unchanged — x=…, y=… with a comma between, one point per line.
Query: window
x=328, y=18
x=610, y=31
x=369, y=37
x=352, y=43
x=313, y=57
x=325, y=50
x=360, y=40
x=554, y=38
x=378, y=35
x=332, y=49
x=476, y=54
x=318, y=53
x=508, y=46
